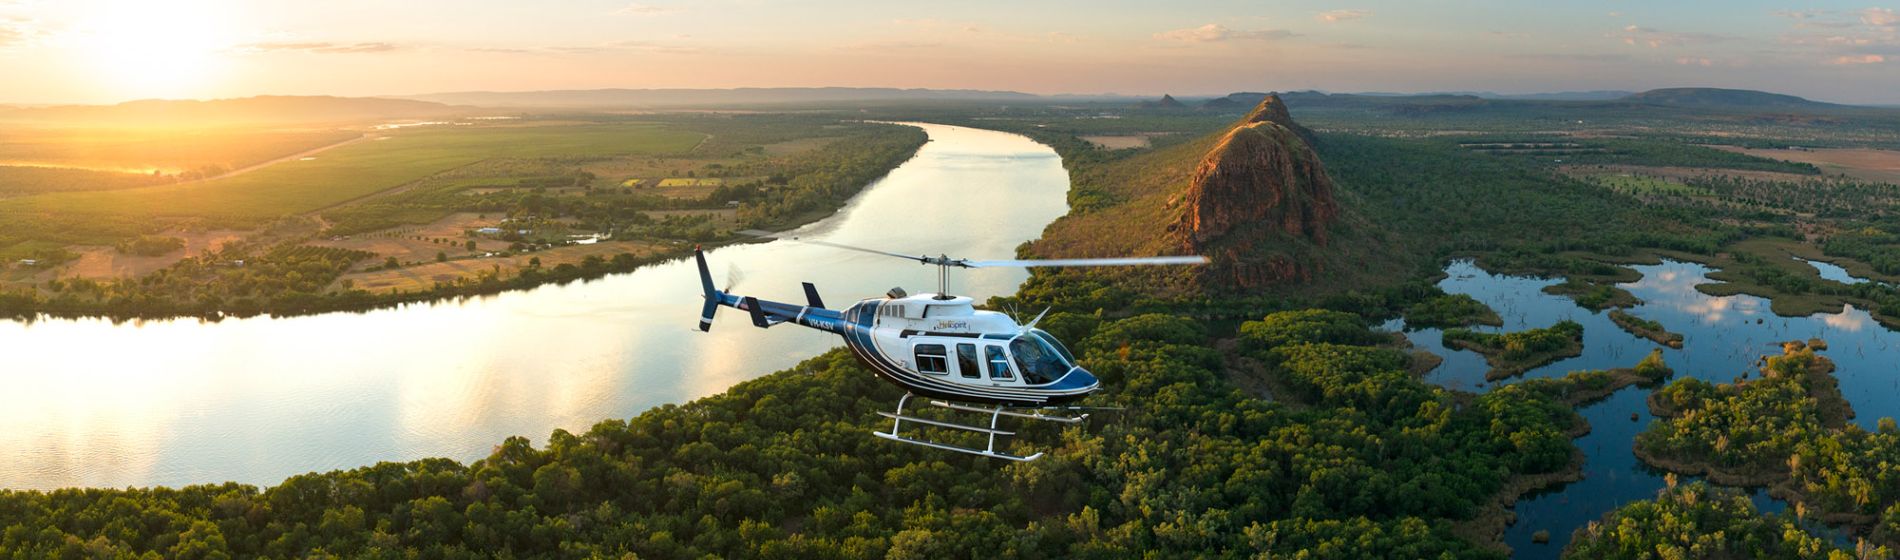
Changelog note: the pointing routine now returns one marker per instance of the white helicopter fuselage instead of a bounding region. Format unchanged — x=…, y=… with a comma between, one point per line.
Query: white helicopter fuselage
x=944, y=347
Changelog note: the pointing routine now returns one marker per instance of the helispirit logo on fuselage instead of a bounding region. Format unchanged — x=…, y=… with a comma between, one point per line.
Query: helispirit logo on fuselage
x=953, y=325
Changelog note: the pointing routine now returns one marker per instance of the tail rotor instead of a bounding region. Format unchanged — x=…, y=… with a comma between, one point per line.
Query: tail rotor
x=712, y=295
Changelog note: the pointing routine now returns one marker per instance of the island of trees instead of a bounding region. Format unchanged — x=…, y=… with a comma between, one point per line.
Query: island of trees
x=1510, y=354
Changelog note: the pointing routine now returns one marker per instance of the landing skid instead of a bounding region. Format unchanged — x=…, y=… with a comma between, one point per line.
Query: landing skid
x=996, y=413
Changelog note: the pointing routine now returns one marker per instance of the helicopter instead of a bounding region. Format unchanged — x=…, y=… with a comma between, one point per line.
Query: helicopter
x=940, y=347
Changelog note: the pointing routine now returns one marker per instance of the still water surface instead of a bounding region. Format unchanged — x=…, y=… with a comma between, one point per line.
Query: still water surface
x=91, y=403
x=1723, y=337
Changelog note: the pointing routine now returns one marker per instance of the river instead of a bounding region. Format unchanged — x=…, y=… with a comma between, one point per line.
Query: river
x=92, y=403
x=1723, y=338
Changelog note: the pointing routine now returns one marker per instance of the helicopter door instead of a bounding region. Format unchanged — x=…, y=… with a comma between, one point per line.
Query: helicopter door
x=999, y=364
x=966, y=361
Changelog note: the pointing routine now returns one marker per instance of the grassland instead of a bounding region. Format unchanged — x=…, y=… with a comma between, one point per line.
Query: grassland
x=358, y=170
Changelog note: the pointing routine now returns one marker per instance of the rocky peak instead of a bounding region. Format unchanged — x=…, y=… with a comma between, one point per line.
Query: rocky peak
x=1274, y=111
x=1167, y=102
x=1257, y=194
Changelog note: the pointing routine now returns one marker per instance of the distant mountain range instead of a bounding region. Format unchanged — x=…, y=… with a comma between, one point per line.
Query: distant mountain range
x=1694, y=98
x=326, y=110
x=652, y=98
x=1717, y=97
x=1593, y=95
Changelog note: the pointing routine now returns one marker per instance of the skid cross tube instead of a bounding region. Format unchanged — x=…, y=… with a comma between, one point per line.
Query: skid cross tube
x=898, y=418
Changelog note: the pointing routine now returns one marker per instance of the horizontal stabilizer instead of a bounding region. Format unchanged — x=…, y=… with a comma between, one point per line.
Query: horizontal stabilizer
x=758, y=313
x=811, y=296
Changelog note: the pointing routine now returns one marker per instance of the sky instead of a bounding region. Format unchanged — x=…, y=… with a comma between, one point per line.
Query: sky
x=108, y=51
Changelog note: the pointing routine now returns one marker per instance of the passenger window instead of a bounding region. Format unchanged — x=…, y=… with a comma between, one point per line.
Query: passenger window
x=966, y=361
x=999, y=365
x=931, y=358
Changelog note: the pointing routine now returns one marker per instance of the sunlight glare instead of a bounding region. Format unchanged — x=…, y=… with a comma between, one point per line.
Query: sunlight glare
x=156, y=49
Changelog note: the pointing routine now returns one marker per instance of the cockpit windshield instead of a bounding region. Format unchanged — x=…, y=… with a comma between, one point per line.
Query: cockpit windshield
x=1039, y=360
x=1053, y=343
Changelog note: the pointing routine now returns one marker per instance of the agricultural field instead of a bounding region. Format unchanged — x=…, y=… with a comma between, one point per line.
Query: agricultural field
x=1118, y=142
x=448, y=235
x=671, y=182
x=1863, y=164
x=144, y=151
x=361, y=169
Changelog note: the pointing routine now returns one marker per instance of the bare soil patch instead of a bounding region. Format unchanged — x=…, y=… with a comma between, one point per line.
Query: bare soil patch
x=424, y=276
x=1859, y=163
x=420, y=243
x=102, y=262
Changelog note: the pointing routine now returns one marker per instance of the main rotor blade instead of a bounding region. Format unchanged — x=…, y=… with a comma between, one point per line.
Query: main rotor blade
x=1128, y=261
x=861, y=249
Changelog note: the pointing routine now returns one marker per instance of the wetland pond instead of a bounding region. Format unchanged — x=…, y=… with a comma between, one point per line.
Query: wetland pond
x=92, y=403
x=1723, y=338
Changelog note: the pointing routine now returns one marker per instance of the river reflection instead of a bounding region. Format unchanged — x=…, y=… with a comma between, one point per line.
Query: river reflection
x=91, y=403
x=1723, y=338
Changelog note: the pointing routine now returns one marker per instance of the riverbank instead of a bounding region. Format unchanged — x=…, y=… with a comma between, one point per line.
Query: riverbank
x=288, y=278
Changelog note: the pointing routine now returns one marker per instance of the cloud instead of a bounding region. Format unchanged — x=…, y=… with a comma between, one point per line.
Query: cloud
x=19, y=31
x=1857, y=59
x=1880, y=17
x=1336, y=16
x=1616, y=14
x=1694, y=61
x=1797, y=14
x=1573, y=57
x=320, y=47
x=607, y=47
x=1213, y=33
x=877, y=46
x=638, y=9
x=652, y=47
x=1656, y=38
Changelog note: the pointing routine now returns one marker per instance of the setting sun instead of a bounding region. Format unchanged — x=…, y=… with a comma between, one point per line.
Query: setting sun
x=154, y=49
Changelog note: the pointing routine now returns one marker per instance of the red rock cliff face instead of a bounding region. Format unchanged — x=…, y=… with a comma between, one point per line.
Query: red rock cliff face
x=1260, y=191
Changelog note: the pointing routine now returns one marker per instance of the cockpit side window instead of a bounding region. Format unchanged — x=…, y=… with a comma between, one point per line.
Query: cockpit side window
x=1039, y=362
x=999, y=364
x=966, y=361
x=931, y=358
